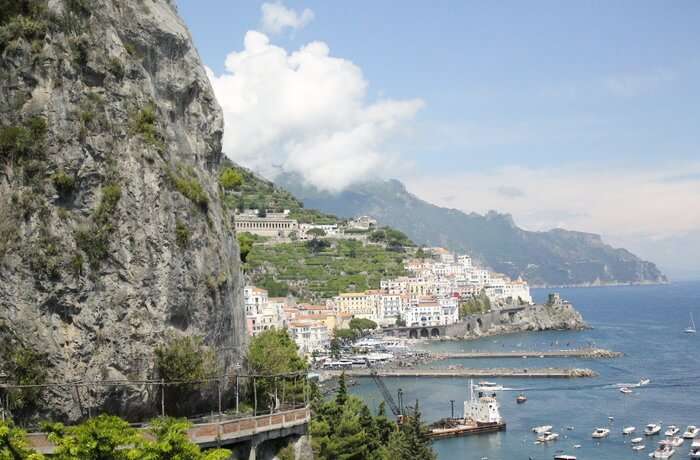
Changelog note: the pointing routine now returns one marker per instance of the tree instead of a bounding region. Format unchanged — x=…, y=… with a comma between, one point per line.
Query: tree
x=316, y=232
x=274, y=353
x=230, y=179
x=316, y=245
x=345, y=335
x=171, y=442
x=416, y=435
x=184, y=359
x=362, y=324
x=335, y=348
x=245, y=243
x=14, y=445
x=105, y=437
x=24, y=366
x=400, y=322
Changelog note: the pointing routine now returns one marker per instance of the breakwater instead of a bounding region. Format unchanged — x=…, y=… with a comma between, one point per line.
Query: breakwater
x=548, y=372
x=590, y=353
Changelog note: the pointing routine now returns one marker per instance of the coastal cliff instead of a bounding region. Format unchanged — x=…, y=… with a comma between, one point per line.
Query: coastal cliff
x=559, y=316
x=113, y=238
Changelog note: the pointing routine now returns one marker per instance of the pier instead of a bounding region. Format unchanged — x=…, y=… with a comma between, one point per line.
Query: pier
x=590, y=353
x=548, y=372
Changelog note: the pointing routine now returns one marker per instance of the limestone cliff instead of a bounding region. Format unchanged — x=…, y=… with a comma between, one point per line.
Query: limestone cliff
x=112, y=233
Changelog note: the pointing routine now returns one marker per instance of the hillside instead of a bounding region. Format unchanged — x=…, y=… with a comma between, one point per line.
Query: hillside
x=113, y=234
x=555, y=257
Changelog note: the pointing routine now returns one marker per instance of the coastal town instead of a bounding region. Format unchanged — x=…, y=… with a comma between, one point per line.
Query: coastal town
x=439, y=289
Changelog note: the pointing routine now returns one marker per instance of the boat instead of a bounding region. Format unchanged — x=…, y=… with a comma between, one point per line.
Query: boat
x=600, y=433
x=541, y=429
x=639, y=447
x=521, y=399
x=629, y=430
x=695, y=450
x=672, y=430
x=564, y=457
x=652, y=429
x=488, y=387
x=691, y=329
x=625, y=390
x=663, y=451
x=691, y=432
x=644, y=381
x=481, y=415
x=637, y=440
x=547, y=436
x=676, y=441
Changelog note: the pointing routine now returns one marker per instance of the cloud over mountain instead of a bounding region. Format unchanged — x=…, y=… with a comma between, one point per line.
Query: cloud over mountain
x=305, y=112
x=276, y=18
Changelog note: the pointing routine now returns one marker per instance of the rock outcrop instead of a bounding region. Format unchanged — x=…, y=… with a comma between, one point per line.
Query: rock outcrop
x=113, y=237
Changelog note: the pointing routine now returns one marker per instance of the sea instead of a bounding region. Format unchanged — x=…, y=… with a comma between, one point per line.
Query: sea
x=646, y=323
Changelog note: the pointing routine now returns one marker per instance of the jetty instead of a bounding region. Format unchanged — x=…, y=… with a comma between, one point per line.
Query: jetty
x=589, y=353
x=547, y=372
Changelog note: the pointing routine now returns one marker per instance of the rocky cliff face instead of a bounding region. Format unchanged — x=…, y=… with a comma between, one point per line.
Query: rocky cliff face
x=112, y=233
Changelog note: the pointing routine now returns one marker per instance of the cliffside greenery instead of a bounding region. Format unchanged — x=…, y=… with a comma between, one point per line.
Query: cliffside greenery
x=474, y=305
x=23, y=366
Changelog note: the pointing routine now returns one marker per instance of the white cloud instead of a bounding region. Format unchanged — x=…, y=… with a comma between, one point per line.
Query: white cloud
x=276, y=18
x=305, y=112
x=634, y=84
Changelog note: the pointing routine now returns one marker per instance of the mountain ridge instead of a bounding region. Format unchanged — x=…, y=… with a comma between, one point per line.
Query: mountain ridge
x=556, y=257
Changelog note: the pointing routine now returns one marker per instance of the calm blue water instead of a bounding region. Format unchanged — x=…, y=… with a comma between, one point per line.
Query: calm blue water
x=644, y=322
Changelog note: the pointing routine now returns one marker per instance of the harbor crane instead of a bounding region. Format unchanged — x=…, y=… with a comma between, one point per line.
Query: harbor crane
x=396, y=409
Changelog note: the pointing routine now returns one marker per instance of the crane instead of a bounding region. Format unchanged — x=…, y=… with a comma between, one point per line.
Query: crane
x=397, y=410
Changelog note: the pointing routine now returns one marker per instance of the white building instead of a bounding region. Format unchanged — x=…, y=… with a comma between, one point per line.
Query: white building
x=425, y=311
x=254, y=298
x=309, y=335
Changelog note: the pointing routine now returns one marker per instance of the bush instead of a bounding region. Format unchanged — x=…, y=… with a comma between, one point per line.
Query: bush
x=362, y=324
x=316, y=232
x=182, y=234
x=145, y=123
x=64, y=183
x=23, y=141
x=111, y=194
x=94, y=242
x=116, y=67
x=24, y=366
x=189, y=187
x=230, y=179
x=14, y=444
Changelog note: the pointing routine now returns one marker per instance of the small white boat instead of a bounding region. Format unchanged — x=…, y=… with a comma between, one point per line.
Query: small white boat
x=625, y=390
x=695, y=450
x=637, y=440
x=652, y=429
x=691, y=432
x=600, y=433
x=548, y=437
x=672, y=430
x=639, y=447
x=691, y=329
x=663, y=451
x=629, y=430
x=542, y=429
x=564, y=457
x=676, y=441
x=488, y=386
x=644, y=382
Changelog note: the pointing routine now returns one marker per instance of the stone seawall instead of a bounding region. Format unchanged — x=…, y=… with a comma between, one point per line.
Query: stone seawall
x=519, y=319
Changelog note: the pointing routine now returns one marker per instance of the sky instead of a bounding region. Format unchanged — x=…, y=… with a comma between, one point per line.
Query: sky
x=582, y=115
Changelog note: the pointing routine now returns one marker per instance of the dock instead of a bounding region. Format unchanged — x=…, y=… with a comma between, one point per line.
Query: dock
x=589, y=353
x=548, y=372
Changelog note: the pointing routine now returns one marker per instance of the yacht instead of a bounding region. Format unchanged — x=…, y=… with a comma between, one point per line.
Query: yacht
x=643, y=382
x=638, y=447
x=488, y=387
x=695, y=450
x=564, y=457
x=547, y=437
x=541, y=429
x=663, y=451
x=652, y=429
x=629, y=430
x=672, y=430
x=676, y=441
x=521, y=398
x=691, y=328
x=637, y=440
x=600, y=433
x=625, y=390
x=691, y=432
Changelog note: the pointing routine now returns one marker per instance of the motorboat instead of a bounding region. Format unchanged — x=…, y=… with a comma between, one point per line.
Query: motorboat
x=637, y=440
x=652, y=429
x=564, y=457
x=691, y=432
x=488, y=387
x=629, y=430
x=676, y=441
x=638, y=447
x=600, y=433
x=521, y=398
x=643, y=382
x=625, y=390
x=672, y=430
x=542, y=429
x=695, y=450
x=663, y=451
x=547, y=436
